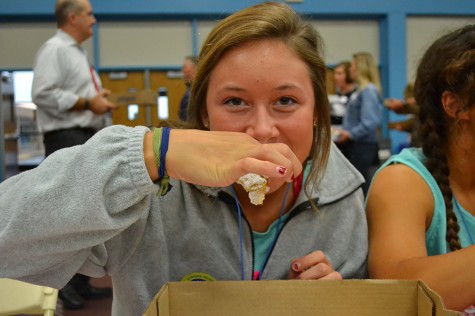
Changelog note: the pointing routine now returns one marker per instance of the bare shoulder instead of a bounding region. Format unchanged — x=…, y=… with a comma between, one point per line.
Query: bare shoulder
x=398, y=177
x=398, y=188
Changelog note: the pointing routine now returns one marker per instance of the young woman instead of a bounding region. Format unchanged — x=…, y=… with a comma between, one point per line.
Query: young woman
x=359, y=138
x=421, y=204
x=345, y=87
x=258, y=104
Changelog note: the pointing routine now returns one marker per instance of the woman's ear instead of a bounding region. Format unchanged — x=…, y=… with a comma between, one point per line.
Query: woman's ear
x=453, y=106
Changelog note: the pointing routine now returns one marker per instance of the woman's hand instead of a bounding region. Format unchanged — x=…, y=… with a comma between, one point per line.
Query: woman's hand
x=343, y=137
x=394, y=104
x=314, y=266
x=218, y=159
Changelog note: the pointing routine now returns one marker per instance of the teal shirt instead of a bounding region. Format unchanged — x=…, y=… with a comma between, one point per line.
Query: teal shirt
x=262, y=241
x=435, y=235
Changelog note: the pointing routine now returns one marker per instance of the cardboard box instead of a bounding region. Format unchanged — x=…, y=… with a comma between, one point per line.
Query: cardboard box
x=292, y=297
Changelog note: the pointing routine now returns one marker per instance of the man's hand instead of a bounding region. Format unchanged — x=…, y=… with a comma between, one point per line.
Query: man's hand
x=100, y=105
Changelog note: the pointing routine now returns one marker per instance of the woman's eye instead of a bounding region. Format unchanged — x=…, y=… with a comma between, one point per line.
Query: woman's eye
x=234, y=101
x=286, y=101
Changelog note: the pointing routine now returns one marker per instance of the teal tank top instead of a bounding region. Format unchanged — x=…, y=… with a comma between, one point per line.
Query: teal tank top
x=435, y=234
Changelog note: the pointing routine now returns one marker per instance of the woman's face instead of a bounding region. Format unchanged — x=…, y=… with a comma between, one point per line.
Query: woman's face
x=262, y=88
x=339, y=76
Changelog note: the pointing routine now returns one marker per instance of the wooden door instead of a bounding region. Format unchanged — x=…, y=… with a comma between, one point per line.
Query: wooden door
x=135, y=81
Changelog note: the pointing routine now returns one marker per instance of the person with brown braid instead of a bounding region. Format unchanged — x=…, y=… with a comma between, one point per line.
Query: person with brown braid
x=421, y=203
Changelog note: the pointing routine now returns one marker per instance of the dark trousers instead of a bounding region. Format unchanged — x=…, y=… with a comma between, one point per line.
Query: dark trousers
x=63, y=138
x=60, y=139
x=364, y=156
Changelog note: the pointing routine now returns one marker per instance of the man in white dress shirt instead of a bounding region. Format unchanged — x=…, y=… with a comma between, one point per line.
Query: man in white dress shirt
x=71, y=104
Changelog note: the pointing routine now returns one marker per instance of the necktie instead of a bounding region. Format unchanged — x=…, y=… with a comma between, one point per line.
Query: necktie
x=91, y=69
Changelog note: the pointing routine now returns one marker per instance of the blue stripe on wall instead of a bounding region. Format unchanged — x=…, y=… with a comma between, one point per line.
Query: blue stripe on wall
x=220, y=7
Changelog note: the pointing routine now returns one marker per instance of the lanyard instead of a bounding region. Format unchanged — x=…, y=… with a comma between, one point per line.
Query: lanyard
x=258, y=273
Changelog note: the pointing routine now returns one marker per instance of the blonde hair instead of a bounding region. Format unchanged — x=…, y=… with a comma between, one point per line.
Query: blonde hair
x=366, y=71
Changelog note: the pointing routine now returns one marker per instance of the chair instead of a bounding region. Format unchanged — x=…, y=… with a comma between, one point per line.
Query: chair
x=18, y=297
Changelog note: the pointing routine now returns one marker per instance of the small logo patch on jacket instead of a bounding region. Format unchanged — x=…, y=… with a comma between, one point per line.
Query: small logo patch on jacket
x=197, y=277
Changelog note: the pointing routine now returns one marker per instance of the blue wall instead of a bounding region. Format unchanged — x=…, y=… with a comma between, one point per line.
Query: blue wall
x=214, y=7
x=391, y=15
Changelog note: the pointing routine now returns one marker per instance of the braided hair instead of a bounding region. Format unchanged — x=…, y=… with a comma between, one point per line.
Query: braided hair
x=448, y=65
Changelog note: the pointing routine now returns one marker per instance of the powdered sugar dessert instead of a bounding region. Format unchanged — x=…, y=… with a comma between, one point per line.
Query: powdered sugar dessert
x=256, y=186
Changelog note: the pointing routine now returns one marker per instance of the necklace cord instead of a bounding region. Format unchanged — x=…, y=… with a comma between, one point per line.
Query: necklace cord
x=240, y=230
x=276, y=235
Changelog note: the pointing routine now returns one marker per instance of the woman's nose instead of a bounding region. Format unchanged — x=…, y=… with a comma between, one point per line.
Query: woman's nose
x=262, y=126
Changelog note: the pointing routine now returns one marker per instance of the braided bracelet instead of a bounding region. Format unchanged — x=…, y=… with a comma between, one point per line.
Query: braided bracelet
x=160, y=147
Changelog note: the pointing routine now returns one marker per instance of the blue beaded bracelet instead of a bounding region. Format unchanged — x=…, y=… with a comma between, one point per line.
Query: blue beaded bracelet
x=161, y=137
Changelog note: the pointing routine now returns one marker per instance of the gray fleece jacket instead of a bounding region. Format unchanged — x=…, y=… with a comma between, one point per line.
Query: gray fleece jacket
x=93, y=209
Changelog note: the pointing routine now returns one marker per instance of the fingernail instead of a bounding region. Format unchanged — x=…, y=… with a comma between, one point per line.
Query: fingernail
x=296, y=267
x=281, y=170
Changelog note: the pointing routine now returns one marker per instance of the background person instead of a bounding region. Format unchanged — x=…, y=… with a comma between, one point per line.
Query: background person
x=358, y=139
x=258, y=104
x=345, y=87
x=71, y=103
x=189, y=70
x=421, y=204
x=407, y=106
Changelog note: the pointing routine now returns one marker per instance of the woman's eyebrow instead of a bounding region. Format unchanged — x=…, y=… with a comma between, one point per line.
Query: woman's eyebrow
x=287, y=86
x=233, y=88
